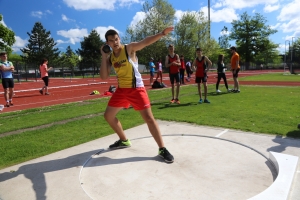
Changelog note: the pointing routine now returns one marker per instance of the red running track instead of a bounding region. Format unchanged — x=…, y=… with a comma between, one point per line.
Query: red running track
x=65, y=91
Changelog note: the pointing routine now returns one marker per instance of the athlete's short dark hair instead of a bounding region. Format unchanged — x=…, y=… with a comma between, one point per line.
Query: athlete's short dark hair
x=110, y=32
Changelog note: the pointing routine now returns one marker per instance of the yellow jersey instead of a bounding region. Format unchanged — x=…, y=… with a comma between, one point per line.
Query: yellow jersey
x=126, y=70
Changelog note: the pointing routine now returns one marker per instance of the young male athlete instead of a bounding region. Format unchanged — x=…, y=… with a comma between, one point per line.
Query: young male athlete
x=131, y=90
x=7, y=69
x=200, y=63
x=172, y=62
x=235, y=68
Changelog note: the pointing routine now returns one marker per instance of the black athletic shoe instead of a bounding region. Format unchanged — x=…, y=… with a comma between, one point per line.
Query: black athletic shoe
x=120, y=144
x=41, y=91
x=165, y=154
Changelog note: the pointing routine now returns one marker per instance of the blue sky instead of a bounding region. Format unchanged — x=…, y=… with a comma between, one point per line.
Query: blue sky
x=70, y=20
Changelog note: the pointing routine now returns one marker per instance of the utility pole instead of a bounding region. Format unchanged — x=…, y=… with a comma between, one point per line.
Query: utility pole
x=209, y=18
x=285, y=54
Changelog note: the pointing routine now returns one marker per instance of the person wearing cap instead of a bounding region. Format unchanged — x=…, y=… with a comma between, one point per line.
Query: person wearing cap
x=7, y=69
x=152, y=70
x=172, y=62
x=200, y=65
x=235, y=68
x=131, y=89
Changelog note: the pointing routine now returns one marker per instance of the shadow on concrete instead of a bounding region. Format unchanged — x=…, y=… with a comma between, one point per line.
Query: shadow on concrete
x=35, y=172
x=103, y=161
x=283, y=143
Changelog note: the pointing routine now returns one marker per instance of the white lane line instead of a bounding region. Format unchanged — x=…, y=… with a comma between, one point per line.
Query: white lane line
x=58, y=87
x=221, y=133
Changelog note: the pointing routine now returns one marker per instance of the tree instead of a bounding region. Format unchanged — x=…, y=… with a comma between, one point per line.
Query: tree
x=69, y=59
x=90, y=51
x=40, y=45
x=268, y=53
x=250, y=34
x=224, y=39
x=192, y=31
x=7, y=37
x=159, y=15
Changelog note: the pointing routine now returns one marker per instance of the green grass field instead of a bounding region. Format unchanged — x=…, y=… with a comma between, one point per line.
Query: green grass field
x=280, y=76
x=32, y=133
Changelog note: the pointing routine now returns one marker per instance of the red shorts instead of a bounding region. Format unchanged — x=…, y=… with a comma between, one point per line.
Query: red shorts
x=124, y=97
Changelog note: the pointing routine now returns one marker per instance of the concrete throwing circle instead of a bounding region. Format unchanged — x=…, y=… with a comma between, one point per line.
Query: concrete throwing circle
x=204, y=168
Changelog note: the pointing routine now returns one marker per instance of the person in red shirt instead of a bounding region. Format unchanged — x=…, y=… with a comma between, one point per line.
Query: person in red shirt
x=200, y=65
x=44, y=74
x=173, y=63
x=182, y=69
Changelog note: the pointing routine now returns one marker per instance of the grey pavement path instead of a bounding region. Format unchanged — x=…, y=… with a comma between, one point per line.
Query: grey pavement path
x=207, y=166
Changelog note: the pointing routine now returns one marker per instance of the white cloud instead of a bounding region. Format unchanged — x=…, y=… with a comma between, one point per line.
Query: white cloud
x=222, y=15
x=48, y=11
x=65, y=18
x=290, y=15
x=19, y=44
x=102, y=30
x=270, y=8
x=276, y=26
x=40, y=14
x=139, y=16
x=292, y=26
x=74, y=35
x=96, y=4
x=225, y=33
x=37, y=14
x=240, y=4
x=128, y=3
x=179, y=14
x=61, y=42
x=290, y=11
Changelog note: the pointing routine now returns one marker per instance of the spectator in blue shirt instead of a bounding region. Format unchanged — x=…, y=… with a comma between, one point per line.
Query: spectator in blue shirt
x=152, y=70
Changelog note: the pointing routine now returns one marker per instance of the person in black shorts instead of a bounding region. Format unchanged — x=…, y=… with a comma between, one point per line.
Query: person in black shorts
x=7, y=69
x=200, y=65
x=221, y=73
x=172, y=62
x=44, y=74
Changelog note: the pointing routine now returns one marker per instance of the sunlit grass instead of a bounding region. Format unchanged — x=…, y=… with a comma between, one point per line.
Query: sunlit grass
x=268, y=110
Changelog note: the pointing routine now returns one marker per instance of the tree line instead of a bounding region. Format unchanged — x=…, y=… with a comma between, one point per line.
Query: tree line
x=250, y=34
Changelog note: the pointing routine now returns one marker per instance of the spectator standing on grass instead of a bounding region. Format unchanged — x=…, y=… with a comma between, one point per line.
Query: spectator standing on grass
x=7, y=69
x=44, y=74
x=172, y=62
x=200, y=65
x=159, y=70
x=235, y=68
x=131, y=90
x=182, y=69
x=189, y=71
x=221, y=73
x=152, y=70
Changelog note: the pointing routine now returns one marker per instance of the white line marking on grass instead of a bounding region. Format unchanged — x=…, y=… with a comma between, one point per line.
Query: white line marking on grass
x=221, y=133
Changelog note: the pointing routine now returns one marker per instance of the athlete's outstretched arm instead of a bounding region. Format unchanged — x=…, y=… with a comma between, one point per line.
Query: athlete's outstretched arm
x=136, y=46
